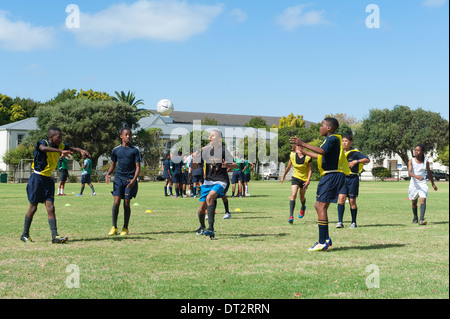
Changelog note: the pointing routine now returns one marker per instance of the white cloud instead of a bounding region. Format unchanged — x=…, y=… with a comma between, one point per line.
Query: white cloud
x=237, y=15
x=434, y=3
x=167, y=20
x=295, y=16
x=23, y=36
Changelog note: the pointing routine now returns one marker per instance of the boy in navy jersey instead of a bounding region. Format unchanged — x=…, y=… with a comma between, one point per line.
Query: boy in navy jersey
x=333, y=167
x=127, y=158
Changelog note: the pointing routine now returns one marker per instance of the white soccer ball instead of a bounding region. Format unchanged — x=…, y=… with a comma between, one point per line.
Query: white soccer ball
x=164, y=107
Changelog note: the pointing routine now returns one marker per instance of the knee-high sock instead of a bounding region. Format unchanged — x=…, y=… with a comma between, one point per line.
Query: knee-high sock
x=354, y=212
x=211, y=215
x=323, y=231
x=423, y=208
x=291, y=208
x=341, y=209
x=115, y=214
x=126, y=216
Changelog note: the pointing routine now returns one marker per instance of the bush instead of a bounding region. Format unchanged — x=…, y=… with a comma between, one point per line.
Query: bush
x=381, y=172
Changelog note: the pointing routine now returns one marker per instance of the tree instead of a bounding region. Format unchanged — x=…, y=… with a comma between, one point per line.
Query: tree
x=398, y=131
x=151, y=147
x=131, y=100
x=290, y=121
x=91, y=124
x=9, y=111
x=209, y=121
x=14, y=156
x=257, y=122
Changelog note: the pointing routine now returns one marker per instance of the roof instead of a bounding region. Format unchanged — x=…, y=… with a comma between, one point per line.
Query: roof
x=224, y=119
x=23, y=125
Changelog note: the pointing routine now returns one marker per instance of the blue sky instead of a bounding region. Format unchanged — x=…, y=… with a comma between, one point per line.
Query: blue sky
x=271, y=58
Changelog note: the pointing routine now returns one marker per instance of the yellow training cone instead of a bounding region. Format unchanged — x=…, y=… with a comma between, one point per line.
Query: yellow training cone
x=238, y=210
x=148, y=211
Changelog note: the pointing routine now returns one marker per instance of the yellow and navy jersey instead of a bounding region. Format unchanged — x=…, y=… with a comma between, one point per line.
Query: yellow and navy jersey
x=44, y=163
x=354, y=154
x=300, y=165
x=334, y=159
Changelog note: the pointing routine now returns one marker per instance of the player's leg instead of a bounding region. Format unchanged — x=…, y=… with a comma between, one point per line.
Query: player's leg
x=302, y=198
x=414, y=210
x=126, y=216
x=423, y=208
x=341, y=208
x=294, y=190
x=25, y=237
x=353, y=211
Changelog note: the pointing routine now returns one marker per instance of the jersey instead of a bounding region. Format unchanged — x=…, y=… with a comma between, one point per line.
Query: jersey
x=352, y=155
x=126, y=159
x=214, y=172
x=88, y=167
x=44, y=163
x=301, y=166
x=334, y=159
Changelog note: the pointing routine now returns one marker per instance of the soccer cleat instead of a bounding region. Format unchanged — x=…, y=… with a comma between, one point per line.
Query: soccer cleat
x=227, y=216
x=26, y=239
x=415, y=220
x=124, y=232
x=59, y=239
x=291, y=220
x=113, y=231
x=353, y=225
x=319, y=247
x=79, y=195
x=93, y=194
x=329, y=242
x=200, y=231
x=422, y=222
x=340, y=225
x=210, y=233
x=302, y=213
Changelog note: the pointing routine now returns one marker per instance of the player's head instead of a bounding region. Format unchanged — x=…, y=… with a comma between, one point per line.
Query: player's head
x=329, y=126
x=215, y=137
x=125, y=135
x=347, y=141
x=54, y=135
x=419, y=152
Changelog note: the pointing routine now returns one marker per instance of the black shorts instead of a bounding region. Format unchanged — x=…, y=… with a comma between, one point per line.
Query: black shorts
x=297, y=181
x=120, y=189
x=236, y=177
x=86, y=179
x=350, y=187
x=63, y=174
x=329, y=186
x=40, y=189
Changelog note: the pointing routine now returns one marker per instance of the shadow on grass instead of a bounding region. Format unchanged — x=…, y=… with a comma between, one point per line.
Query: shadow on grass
x=380, y=246
x=255, y=235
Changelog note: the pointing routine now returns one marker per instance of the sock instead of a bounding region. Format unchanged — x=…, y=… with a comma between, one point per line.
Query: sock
x=354, y=212
x=26, y=226
x=225, y=204
x=53, y=229
x=423, y=208
x=211, y=215
x=170, y=189
x=92, y=188
x=323, y=231
x=246, y=190
x=341, y=209
x=201, y=219
x=59, y=191
x=304, y=205
x=291, y=208
x=82, y=190
x=126, y=216
x=115, y=214
x=165, y=191
x=194, y=190
x=177, y=191
x=414, y=209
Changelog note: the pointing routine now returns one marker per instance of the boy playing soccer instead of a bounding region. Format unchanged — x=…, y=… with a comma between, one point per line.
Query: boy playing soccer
x=350, y=188
x=86, y=175
x=214, y=155
x=333, y=167
x=41, y=187
x=127, y=158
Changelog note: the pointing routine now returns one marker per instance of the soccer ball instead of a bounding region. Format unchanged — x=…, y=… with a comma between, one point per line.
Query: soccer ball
x=164, y=107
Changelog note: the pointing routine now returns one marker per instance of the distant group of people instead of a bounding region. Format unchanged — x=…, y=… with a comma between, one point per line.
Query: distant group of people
x=205, y=173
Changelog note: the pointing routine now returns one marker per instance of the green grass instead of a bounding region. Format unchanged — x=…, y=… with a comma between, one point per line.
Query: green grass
x=256, y=254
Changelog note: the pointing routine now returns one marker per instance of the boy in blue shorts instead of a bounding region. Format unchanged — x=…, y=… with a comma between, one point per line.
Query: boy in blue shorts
x=350, y=188
x=41, y=187
x=333, y=167
x=127, y=158
x=214, y=156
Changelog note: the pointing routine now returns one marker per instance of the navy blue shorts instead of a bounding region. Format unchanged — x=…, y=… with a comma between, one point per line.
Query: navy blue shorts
x=177, y=178
x=247, y=177
x=40, y=189
x=197, y=178
x=120, y=189
x=329, y=186
x=236, y=177
x=86, y=179
x=350, y=187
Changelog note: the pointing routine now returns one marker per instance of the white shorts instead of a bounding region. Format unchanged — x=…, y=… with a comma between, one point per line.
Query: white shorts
x=417, y=190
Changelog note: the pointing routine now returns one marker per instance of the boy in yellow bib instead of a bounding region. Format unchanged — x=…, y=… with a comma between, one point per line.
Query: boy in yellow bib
x=300, y=179
x=333, y=167
x=41, y=187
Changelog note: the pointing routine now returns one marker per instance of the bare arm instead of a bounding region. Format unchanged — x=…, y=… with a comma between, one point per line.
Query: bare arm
x=286, y=171
x=430, y=177
x=110, y=170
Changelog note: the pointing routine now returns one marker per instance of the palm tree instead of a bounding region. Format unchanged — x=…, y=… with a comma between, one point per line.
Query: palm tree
x=130, y=99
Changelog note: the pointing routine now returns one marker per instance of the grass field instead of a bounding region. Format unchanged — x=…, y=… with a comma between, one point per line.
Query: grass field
x=256, y=254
